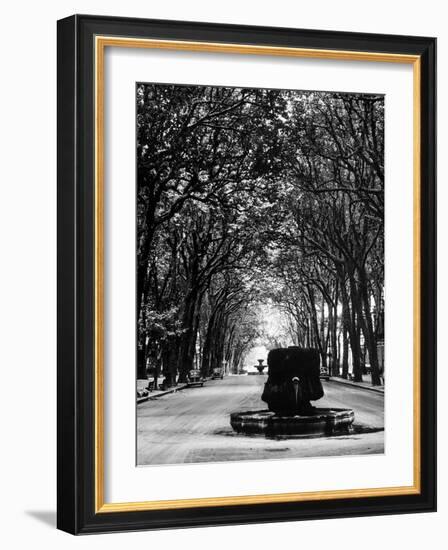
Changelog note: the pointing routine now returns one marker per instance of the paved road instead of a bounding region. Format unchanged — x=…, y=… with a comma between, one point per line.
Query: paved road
x=192, y=425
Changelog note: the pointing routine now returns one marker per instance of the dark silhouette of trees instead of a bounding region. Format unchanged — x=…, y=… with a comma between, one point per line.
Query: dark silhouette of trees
x=251, y=195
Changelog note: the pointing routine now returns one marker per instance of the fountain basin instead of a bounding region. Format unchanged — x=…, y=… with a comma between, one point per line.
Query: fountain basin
x=322, y=422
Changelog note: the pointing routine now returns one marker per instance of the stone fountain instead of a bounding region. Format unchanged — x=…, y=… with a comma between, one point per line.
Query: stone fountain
x=260, y=367
x=293, y=382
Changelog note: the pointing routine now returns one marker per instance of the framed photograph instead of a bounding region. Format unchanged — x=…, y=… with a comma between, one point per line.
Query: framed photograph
x=246, y=274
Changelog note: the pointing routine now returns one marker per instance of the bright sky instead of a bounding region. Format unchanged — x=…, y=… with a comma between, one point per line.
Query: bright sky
x=273, y=324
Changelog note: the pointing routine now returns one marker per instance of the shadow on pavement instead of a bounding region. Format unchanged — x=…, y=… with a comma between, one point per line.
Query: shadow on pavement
x=357, y=429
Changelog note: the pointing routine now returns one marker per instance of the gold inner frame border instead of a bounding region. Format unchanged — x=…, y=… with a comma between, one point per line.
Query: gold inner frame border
x=100, y=44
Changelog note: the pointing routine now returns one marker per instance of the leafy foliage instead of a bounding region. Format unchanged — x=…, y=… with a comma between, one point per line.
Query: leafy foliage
x=247, y=196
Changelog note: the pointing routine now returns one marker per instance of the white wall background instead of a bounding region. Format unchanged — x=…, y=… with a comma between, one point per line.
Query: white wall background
x=28, y=271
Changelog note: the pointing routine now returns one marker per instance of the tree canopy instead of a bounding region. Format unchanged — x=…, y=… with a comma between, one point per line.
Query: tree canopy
x=255, y=196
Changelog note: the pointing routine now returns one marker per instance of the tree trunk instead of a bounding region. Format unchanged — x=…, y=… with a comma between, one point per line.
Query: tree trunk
x=356, y=312
x=332, y=328
x=315, y=327
x=344, y=351
x=368, y=331
x=170, y=360
x=188, y=338
x=141, y=366
x=350, y=334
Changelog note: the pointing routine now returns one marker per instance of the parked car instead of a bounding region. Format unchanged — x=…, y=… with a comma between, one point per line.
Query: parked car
x=217, y=372
x=195, y=378
x=325, y=373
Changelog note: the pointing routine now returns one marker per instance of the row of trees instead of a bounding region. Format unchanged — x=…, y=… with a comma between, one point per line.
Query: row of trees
x=252, y=195
x=330, y=271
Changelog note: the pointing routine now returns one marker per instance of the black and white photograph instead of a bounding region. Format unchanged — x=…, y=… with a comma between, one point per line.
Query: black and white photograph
x=260, y=274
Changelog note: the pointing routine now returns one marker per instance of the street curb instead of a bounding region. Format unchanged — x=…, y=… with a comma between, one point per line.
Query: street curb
x=355, y=385
x=171, y=390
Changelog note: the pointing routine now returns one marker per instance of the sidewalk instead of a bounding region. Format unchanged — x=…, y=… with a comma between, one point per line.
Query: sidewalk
x=156, y=393
x=365, y=384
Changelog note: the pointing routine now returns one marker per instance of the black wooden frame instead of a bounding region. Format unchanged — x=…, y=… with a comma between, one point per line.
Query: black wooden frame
x=76, y=512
